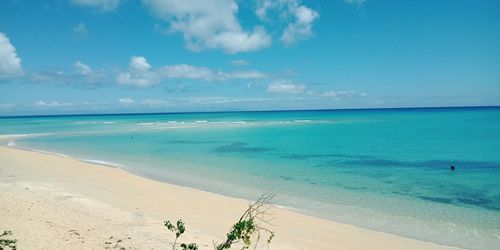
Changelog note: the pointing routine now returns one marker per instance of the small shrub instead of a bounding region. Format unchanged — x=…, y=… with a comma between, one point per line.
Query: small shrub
x=179, y=229
x=248, y=226
x=7, y=243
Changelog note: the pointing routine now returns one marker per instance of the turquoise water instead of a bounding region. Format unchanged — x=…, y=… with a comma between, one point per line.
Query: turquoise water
x=387, y=170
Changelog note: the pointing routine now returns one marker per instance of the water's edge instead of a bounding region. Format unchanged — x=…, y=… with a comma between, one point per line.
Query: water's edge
x=137, y=173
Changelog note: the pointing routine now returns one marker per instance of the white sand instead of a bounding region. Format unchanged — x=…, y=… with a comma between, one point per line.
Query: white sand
x=56, y=202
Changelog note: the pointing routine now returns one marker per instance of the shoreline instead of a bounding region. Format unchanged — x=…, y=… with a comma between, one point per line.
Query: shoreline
x=207, y=215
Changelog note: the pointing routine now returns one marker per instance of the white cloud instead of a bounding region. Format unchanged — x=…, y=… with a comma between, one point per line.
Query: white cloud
x=302, y=27
x=286, y=87
x=10, y=63
x=102, y=5
x=157, y=103
x=358, y=2
x=6, y=106
x=82, y=69
x=53, y=104
x=184, y=71
x=329, y=94
x=187, y=72
x=80, y=30
x=253, y=74
x=139, y=73
x=142, y=74
x=300, y=18
x=139, y=64
x=240, y=62
x=209, y=24
x=126, y=101
x=338, y=94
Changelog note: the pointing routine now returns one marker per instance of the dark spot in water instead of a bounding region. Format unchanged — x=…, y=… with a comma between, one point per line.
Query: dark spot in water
x=287, y=178
x=479, y=202
x=240, y=147
x=312, y=156
x=430, y=165
x=311, y=182
x=436, y=199
x=194, y=142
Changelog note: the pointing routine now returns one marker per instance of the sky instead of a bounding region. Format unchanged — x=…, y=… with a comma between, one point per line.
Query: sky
x=120, y=56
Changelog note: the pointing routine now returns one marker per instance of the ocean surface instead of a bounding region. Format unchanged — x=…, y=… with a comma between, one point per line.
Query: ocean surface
x=383, y=169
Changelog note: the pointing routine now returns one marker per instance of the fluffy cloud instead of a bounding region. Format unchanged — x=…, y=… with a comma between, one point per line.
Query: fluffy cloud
x=338, y=94
x=10, y=63
x=286, y=87
x=152, y=103
x=139, y=73
x=156, y=103
x=126, y=101
x=302, y=27
x=53, y=104
x=187, y=72
x=142, y=74
x=209, y=24
x=184, y=71
x=301, y=18
x=102, y=5
x=82, y=69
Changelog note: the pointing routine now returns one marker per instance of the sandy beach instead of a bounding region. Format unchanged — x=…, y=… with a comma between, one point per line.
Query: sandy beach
x=56, y=202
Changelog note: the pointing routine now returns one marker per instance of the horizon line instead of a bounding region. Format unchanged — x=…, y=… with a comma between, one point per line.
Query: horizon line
x=254, y=111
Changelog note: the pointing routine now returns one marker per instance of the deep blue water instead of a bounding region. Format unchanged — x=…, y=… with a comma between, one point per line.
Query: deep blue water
x=386, y=169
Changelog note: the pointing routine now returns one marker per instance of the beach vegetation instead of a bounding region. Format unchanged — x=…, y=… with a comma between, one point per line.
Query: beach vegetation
x=179, y=228
x=247, y=231
x=6, y=243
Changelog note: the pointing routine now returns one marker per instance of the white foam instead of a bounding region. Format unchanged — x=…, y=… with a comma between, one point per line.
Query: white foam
x=203, y=121
x=105, y=163
x=90, y=122
x=48, y=153
x=11, y=143
x=22, y=135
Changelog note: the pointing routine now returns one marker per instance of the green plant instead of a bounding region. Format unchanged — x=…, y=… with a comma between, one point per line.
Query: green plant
x=179, y=229
x=248, y=224
x=247, y=228
x=4, y=243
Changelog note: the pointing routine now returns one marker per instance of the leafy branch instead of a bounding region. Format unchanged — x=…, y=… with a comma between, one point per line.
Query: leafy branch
x=249, y=227
x=179, y=229
x=250, y=223
x=4, y=243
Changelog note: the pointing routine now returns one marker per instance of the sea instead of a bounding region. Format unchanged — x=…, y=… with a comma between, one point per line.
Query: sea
x=382, y=169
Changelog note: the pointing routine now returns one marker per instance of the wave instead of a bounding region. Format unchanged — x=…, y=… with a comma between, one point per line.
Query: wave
x=91, y=122
x=94, y=122
x=48, y=152
x=11, y=136
x=11, y=143
x=104, y=163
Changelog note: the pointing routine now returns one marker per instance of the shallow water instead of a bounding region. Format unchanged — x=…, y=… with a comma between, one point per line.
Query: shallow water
x=383, y=169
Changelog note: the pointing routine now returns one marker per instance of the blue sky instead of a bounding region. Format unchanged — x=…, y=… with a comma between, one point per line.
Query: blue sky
x=108, y=56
